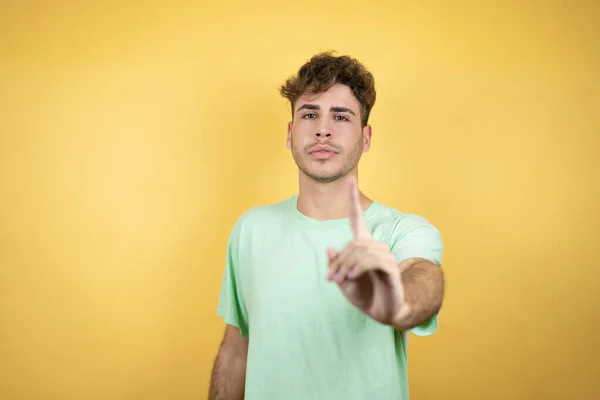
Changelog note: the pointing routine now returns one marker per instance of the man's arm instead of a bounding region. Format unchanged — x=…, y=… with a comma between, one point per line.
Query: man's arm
x=228, y=376
x=423, y=284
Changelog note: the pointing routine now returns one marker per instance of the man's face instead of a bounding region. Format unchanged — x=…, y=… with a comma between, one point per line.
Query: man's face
x=325, y=136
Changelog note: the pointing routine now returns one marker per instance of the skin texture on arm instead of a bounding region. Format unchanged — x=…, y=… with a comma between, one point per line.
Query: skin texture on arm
x=229, y=370
x=423, y=284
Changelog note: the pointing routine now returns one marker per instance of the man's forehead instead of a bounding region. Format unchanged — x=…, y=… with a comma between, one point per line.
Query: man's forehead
x=334, y=97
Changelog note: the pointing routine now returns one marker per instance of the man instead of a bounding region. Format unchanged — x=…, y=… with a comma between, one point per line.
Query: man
x=320, y=289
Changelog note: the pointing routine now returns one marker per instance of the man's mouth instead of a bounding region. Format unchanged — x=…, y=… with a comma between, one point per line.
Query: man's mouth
x=322, y=154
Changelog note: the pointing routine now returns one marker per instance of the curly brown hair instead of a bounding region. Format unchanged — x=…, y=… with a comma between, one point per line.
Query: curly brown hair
x=323, y=71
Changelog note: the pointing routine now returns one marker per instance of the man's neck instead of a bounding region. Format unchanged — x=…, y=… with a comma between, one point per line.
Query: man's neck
x=325, y=201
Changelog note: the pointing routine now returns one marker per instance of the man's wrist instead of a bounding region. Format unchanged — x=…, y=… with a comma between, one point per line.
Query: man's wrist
x=403, y=311
x=401, y=316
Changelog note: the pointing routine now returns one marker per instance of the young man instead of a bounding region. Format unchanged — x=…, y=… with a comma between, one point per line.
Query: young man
x=320, y=289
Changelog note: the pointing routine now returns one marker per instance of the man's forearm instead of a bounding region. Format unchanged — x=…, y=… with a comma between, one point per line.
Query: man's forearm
x=228, y=375
x=423, y=294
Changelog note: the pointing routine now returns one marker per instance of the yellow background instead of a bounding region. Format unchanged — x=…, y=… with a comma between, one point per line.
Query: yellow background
x=133, y=134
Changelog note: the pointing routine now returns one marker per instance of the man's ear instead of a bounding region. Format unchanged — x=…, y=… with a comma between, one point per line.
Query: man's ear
x=288, y=142
x=367, y=132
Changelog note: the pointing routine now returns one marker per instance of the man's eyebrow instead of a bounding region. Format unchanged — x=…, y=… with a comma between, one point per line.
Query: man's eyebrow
x=317, y=107
x=342, y=109
x=309, y=107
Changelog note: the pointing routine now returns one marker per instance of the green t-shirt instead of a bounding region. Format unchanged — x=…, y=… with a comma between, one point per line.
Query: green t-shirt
x=306, y=340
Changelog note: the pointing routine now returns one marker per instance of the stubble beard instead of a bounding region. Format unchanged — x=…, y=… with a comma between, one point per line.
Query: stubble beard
x=320, y=172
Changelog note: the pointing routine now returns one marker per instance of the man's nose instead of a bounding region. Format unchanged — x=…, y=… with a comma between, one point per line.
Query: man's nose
x=323, y=132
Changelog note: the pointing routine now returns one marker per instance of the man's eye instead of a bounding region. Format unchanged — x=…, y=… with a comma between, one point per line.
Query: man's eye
x=310, y=115
x=341, y=118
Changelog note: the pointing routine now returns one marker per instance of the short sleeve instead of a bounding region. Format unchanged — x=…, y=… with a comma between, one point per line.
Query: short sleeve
x=231, y=306
x=415, y=236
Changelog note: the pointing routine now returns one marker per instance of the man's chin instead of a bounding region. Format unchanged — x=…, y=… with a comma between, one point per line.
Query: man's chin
x=323, y=176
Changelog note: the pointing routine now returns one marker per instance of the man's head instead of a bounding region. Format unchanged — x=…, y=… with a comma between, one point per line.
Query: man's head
x=331, y=99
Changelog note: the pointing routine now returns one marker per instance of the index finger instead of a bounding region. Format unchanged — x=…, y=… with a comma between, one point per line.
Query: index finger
x=357, y=219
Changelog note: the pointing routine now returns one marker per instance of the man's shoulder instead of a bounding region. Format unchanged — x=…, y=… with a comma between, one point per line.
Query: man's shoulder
x=396, y=217
x=409, y=234
x=395, y=226
x=263, y=215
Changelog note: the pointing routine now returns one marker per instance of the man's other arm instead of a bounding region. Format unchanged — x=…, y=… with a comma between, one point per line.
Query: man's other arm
x=229, y=370
x=423, y=284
